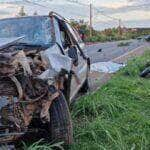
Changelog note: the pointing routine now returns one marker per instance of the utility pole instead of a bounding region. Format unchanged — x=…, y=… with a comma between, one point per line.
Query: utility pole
x=120, y=30
x=91, y=19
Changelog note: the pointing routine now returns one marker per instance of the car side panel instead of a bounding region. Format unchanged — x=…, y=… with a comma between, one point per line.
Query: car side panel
x=81, y=72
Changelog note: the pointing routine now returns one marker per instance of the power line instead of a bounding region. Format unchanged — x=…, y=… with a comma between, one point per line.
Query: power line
x=102, y=13
x=77, y=2
x=35, y=3
x=104, y=22
x=82, y=4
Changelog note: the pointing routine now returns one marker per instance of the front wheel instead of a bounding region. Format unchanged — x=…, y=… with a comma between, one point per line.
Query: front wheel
x=60, y=125
x=59, y=129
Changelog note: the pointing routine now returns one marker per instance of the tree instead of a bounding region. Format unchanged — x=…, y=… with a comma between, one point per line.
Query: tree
x=35, y=13
x=22, y=12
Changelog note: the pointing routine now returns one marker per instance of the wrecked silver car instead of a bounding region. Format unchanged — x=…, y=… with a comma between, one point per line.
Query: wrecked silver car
x=42, y=68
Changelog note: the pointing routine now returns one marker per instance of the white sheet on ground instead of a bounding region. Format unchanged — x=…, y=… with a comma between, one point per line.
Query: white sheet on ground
x=106, y=67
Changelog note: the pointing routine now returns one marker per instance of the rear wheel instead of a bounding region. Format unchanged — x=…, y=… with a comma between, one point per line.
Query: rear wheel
x=60, y=125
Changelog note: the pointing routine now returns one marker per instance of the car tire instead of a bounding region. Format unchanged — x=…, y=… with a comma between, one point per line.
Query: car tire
x=145, y=72
x=59, y=129
x=60, y=125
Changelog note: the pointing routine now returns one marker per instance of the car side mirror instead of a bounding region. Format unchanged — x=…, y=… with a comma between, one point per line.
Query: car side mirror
x=72, y=53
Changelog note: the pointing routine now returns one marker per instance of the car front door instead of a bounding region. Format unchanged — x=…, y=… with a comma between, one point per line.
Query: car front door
x=72, y=47
x=81, y=69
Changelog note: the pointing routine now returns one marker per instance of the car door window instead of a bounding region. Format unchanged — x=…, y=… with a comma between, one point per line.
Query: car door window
x=76, y=37
x=70, y=40
x=75, y=34
x=64, y=36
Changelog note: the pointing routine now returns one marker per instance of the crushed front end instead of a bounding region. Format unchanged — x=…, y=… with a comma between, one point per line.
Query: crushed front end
x=25, y=92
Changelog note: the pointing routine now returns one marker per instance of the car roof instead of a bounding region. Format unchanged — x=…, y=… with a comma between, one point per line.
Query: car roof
x=53, y=14
x=12, y=18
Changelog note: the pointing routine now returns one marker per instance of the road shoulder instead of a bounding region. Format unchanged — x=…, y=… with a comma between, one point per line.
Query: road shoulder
x=98, y=79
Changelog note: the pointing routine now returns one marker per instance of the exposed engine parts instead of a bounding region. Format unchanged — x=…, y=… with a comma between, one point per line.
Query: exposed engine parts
x=25, y=93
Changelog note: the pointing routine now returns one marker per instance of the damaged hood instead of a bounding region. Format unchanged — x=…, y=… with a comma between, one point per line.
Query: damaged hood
x=5, y=42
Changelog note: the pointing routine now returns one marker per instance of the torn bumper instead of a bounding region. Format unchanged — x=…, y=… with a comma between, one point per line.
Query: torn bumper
x=16, y=115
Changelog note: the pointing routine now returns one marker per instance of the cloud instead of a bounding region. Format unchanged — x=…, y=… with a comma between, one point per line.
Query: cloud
x=114, y=5
x=124, y=9
x=138, y=1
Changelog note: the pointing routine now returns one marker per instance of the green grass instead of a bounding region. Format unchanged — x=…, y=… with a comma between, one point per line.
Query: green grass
x=40, y=145
x=117, y=117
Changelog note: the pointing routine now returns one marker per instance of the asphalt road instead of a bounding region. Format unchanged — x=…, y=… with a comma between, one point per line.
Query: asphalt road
x=110, y=50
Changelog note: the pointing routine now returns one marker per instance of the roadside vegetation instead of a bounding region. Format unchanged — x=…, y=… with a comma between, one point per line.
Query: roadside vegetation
x=121, y=44
x=117, y=116
x=110, y=34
